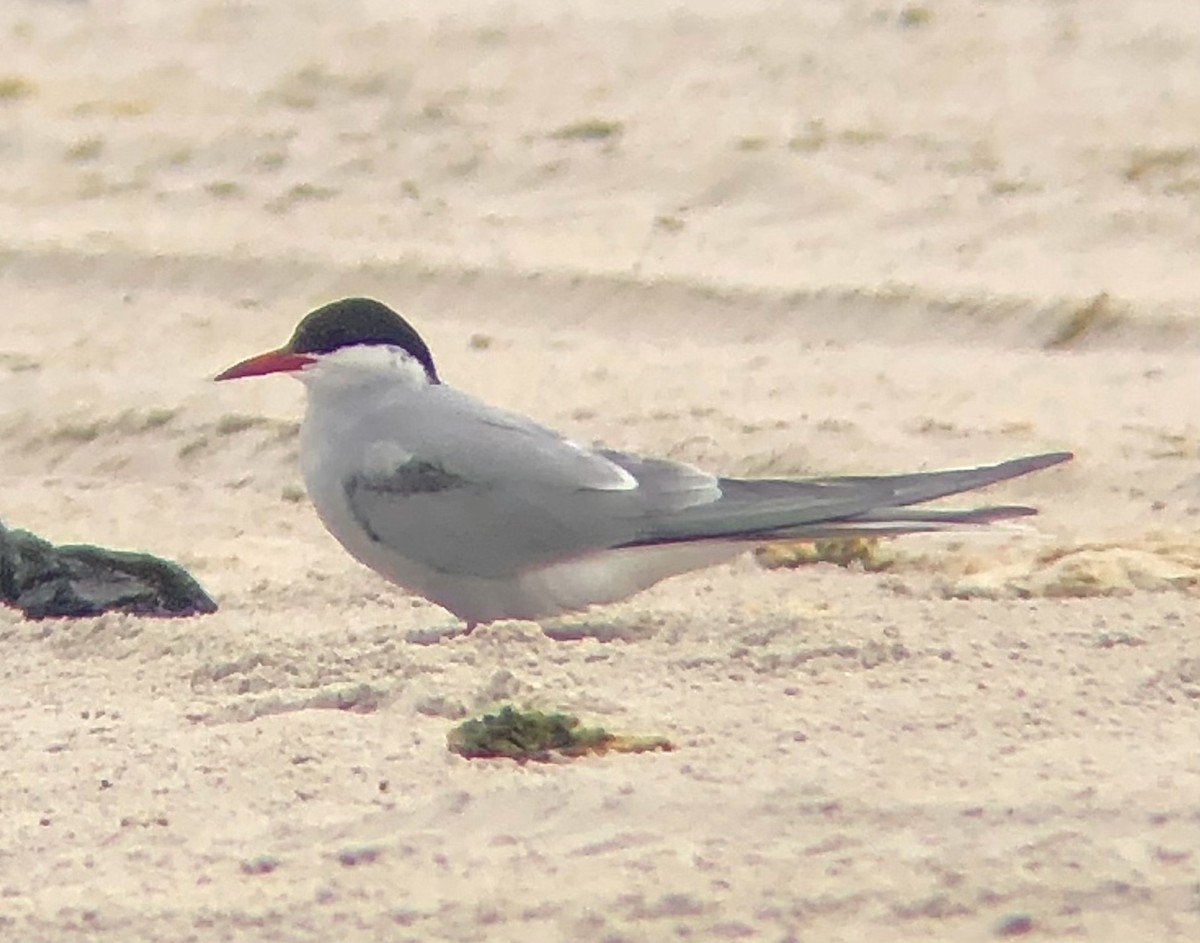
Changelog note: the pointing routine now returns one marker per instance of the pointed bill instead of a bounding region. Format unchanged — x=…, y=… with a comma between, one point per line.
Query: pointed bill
x=273, y=361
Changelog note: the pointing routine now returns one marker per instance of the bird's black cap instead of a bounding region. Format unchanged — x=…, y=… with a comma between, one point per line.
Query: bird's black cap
x=352, y=321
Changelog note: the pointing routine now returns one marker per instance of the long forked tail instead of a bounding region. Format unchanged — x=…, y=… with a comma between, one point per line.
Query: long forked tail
x=812, y=508
x=896, y=521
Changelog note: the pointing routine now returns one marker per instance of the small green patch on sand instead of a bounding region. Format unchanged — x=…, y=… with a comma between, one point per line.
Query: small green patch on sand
x=1091, y=317
x=533, y=735
x=13, y=87
x=591, y=129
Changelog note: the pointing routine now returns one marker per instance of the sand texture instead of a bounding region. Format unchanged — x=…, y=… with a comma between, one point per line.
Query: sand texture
x=766, y=238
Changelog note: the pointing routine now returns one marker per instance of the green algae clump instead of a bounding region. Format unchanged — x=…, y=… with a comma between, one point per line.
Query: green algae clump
x=534, y=735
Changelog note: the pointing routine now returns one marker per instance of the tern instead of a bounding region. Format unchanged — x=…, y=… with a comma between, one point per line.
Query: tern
x=492, y=516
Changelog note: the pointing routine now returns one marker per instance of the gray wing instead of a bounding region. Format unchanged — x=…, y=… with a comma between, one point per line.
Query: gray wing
x=532, y=498
x=463, y=487
x=466, y=488
x=818, y=507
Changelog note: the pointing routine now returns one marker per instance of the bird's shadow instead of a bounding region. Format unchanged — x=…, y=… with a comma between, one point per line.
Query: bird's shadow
x=576, y=630
x=435, y=634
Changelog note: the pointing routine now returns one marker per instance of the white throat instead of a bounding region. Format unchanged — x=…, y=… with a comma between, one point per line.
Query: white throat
x=363, y=365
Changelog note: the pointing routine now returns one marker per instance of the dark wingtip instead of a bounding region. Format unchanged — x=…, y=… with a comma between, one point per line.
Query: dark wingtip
x=1032, y=463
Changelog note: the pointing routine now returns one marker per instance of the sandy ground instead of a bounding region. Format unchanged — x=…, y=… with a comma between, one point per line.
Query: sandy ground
x=766, y=238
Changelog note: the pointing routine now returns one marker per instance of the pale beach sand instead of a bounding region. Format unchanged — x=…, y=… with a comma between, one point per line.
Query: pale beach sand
x=767, y=238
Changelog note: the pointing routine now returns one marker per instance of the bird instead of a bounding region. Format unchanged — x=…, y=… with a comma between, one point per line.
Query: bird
x=493, y=516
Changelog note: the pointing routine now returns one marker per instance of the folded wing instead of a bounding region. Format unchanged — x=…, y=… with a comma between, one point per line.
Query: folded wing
x=749, y=509
x=563, y=501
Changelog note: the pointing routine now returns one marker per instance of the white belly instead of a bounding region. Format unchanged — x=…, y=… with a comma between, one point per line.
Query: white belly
x=536, y=593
